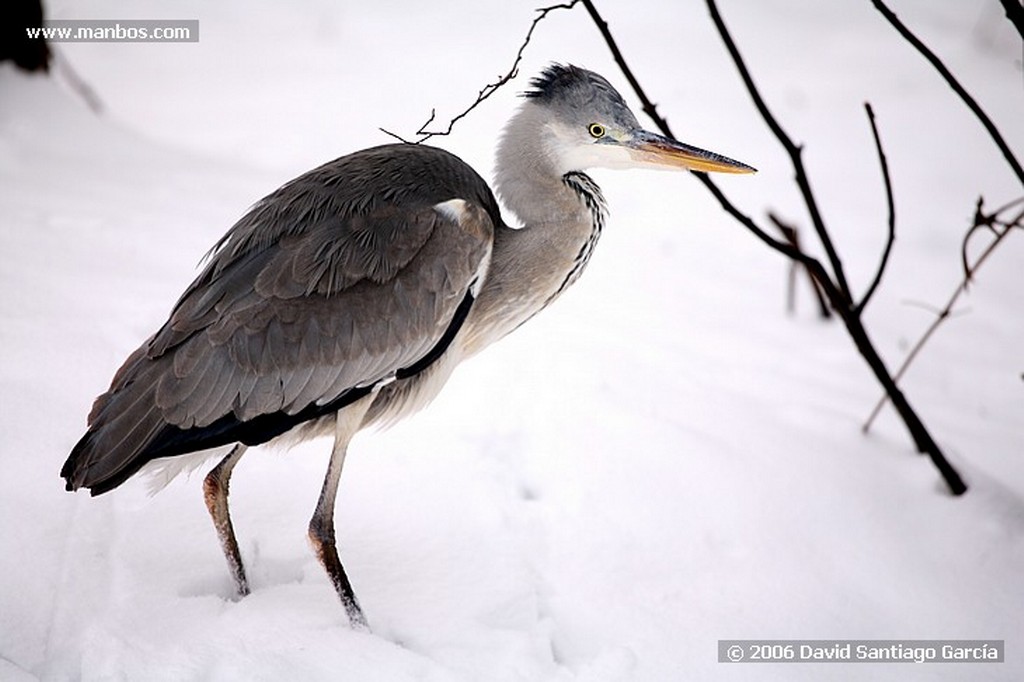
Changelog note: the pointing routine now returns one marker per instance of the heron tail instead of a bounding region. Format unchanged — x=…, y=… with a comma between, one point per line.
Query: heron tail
x=122, y=426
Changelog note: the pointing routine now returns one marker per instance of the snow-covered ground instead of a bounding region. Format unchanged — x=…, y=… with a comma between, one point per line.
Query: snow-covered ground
x=662, y=460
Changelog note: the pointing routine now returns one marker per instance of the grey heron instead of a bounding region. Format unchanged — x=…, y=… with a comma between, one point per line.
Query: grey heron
x=347, y=297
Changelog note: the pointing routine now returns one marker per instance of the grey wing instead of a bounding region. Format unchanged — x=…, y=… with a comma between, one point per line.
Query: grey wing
x=275, y=332
x=319, y=315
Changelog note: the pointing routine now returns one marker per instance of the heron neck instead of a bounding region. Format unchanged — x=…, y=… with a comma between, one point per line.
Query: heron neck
x=531, y=266
x=562, y=214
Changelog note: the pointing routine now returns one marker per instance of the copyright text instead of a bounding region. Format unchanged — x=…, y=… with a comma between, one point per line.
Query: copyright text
x=860, y=651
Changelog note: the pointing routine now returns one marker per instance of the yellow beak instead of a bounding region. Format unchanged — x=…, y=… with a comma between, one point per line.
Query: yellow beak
x=650, y=149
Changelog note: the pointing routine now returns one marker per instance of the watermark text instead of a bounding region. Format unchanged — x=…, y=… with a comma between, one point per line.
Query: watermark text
x=117, y=31
x=860, y=651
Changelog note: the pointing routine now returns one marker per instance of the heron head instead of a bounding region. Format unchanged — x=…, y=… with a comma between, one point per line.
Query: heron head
x=588, y=125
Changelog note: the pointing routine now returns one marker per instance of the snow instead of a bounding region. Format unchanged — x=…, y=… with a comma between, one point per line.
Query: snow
x=662, y=460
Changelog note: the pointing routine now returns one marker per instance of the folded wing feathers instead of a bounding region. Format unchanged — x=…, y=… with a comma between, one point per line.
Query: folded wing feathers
x=265, y=353
x=317, y=346
x=333, y=297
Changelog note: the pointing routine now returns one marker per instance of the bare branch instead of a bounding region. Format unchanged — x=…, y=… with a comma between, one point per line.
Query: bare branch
x=953, y=83
x=792, y=236
x=1015, y=13
x=890, y=203
x=837, y=292
x=648, y=107
x=662, y=125
x=813, y=265
x=488, y=89
x=838, y=296
x=991, y=223
x=396, y=136
x=793, y=150
x=1000, y=229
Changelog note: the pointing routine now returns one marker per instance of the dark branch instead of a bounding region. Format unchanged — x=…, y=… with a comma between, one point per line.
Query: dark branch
x=662, y=125
x=793, y=150
x=891, y=205
x=648, y=107
x=1015, y=13
x=813, y=265
x=953, y=83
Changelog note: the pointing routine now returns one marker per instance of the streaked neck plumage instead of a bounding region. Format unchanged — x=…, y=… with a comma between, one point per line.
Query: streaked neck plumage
x=562, y=212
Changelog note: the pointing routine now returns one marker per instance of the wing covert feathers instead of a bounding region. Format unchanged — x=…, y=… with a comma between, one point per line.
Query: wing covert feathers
x=334, y=282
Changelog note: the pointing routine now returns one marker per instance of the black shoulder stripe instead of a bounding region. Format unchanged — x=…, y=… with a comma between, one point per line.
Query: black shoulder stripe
x=442, y=344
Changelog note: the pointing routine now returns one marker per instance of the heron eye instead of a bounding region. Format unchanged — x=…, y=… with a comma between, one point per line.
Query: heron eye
x=596, y=130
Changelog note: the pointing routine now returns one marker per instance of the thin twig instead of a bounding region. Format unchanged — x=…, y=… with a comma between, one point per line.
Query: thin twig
x=792, y=236
x=488, y=89
x=953, y=83
x=992, y=223
x=1000, y=229
x=890, y=204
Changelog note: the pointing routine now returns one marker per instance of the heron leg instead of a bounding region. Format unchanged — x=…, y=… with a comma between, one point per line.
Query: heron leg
x=321, y=526
x=215, y=492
